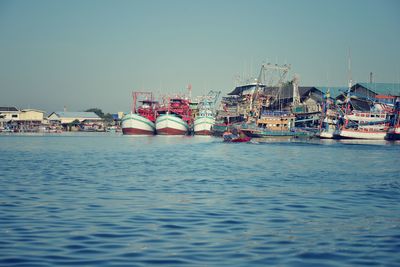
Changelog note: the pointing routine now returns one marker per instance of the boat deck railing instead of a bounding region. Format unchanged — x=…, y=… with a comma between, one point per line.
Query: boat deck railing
x=275, y=113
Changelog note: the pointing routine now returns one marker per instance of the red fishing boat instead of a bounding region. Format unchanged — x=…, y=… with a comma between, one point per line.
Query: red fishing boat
x=141, y=120
x=175, y=118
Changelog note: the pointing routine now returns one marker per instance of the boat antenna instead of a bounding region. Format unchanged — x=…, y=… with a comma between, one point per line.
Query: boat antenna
x=134, y=95
x=189, y=87
x=349, y=85
x=349, y=70
x=296, y=94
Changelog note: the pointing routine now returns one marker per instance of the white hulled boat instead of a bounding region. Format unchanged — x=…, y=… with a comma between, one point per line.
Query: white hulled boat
x=175, y=118
x=134, y=124
x=328, y=129
x=171, y=124
x=203, y=125
x=369, y=125
x=141, y=120
x=364, y=132
x=365, y=125
x=205, y=121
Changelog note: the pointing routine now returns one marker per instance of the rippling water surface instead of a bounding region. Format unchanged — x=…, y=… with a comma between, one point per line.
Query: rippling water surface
x=112, y=200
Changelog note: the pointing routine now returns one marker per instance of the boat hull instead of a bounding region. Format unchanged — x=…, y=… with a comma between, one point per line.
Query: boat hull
x=326, y=135
x=133, y=124
x=393, y=134
x=238, y=140
x=329, y=134
x=203, y=125
x=171, y=125
x=368, y=135
x=262, y=134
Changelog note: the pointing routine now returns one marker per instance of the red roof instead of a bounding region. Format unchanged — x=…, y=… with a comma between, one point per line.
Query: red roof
x=385, y=97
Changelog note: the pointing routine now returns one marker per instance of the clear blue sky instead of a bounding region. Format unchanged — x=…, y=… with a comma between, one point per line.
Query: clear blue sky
x=85, y=54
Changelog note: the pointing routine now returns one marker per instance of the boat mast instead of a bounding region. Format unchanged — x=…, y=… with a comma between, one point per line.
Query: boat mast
x=190, y=91
x=296, y=94
x=134, y=94
x=350, y=83
x=349, y=70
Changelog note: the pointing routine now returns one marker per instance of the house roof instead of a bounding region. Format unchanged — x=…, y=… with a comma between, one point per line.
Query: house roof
x=287, y=91
x=382, y=88
x=70, y=114
x=334, y=91
x=238, y=90
x=8, y=109
x=31, y=109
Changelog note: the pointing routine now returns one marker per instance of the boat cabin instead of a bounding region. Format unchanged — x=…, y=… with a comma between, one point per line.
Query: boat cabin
x=276, y=121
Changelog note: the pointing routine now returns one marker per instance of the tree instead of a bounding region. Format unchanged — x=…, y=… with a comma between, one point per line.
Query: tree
x=98, y=112
x=75, y=122
x=108, y=118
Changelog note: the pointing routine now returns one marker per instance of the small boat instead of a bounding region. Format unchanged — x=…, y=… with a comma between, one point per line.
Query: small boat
x=235, y=138
x=6, y=130
x=240, y=140
x=222, y=124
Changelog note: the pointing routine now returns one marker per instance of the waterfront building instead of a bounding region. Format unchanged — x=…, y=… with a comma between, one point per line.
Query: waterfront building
x=7, y=115
x=25, y=120
x=88, y=121
x=65, y=117
x=31, y=120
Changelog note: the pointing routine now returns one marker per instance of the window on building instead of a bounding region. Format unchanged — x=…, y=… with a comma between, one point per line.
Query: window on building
x=14, y=116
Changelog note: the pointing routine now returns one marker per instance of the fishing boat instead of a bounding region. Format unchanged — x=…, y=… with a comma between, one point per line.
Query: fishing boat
x=362, y=124
x=329, y=119
x=175, y=118
x=370, y=124
x=204, y=123
x=141, y=120
x=364, y=133
x=272, y=124
x=394, y=128
x=205, y=120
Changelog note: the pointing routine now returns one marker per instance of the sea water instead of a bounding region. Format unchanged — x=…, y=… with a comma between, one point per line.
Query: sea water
x=112, y=200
